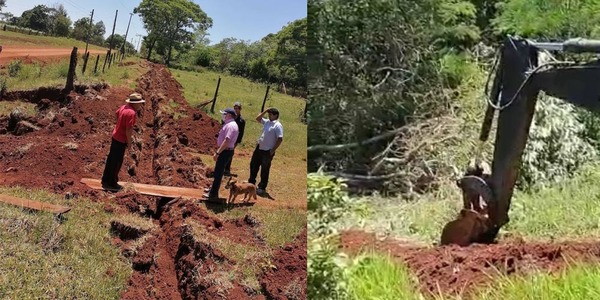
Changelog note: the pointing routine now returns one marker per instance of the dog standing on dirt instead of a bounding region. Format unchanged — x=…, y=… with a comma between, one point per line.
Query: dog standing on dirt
x=236, y=189
x=466, y=229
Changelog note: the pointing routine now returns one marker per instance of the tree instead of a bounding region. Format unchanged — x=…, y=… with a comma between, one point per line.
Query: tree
x=2, y=4
x=290, y=55
x=60, y=21
x=37, y=18
x=118, y=41
x=172, y=23
x=82, y=27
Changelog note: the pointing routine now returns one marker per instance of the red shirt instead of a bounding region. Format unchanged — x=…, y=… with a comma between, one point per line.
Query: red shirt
x=125, y=119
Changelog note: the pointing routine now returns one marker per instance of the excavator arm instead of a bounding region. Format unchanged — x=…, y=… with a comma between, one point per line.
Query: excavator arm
x=516, y=85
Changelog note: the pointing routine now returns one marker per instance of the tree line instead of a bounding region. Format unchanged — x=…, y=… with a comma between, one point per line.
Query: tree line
x=375, y=66
x=55, y=21
x=177, y=36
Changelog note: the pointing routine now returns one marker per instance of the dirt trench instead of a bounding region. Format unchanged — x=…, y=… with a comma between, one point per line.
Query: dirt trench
x=455, y=270
x=181, y=257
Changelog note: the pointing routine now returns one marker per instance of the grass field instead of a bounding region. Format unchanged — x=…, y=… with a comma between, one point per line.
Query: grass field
x=41, y=258
x=35, y=41
x=29, y=76
x=200, y=87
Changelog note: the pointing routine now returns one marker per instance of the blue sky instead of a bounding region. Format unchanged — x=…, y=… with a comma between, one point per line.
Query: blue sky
x=242, y=19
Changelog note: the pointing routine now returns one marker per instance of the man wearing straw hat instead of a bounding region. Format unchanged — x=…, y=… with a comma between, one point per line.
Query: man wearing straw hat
x=121, y=141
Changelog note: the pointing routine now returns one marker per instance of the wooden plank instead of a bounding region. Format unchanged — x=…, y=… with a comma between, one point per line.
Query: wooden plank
x=32, y=204
x=152, y=190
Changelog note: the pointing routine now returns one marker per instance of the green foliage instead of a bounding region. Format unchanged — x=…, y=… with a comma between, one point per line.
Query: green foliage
x=548, y=20
x=170, y=24
x=555, y=148
x=325, y=271
x=37, y=18
x=82, y=28
x=327, y=203
x=14, y=67
x=457, y=19
x=372, y=67
x=277, y=58
x=379, y=277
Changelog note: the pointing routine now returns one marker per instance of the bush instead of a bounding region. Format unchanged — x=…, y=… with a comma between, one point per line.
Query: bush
x=14, y=67
x=556, y=146
x=327, y=203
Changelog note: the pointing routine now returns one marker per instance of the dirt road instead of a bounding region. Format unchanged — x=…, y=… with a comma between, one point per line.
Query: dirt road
x=10, y=53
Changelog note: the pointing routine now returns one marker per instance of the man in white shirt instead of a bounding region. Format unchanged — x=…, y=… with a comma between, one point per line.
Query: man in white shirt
x=270, y=139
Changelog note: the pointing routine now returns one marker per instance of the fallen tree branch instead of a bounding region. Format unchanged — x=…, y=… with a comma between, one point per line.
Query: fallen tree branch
x=355, y=144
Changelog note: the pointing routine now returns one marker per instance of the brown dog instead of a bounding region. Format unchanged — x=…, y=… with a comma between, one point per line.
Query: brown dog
x=466, y=229
x=235, y=189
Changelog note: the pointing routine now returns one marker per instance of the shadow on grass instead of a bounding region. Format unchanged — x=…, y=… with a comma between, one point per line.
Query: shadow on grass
x=218, y=208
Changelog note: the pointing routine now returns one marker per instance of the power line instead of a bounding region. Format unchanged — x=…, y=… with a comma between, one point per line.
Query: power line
x=75, y=6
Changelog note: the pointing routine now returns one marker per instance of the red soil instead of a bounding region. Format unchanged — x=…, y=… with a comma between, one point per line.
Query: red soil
x=170, y=262
x=455, y=270
x=290, y=262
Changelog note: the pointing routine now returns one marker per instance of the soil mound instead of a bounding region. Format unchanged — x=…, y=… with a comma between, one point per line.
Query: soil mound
x=454, y=270
x=288, y=279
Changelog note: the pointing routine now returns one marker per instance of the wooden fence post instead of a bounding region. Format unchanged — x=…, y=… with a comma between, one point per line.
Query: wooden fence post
x=85, y=60
x=96, y=67
x=212, y=107
x=265, y=100
x=71, y=74
x=106, y=59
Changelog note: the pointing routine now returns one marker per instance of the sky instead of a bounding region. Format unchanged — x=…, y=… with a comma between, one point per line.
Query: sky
x=248, y=20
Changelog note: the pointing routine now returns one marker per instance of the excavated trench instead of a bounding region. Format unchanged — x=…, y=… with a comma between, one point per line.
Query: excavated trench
x=181, y=258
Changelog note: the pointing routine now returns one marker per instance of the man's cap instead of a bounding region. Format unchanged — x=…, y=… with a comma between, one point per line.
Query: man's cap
x=273, y=111
x=238, y=104
x=229, y=111
x=135, y=98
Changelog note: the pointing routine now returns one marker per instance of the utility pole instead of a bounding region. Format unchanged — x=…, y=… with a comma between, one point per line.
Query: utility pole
x=91, y=29
x=111, y=42
x=112, y=36
x=126, y=32
x=138, y=42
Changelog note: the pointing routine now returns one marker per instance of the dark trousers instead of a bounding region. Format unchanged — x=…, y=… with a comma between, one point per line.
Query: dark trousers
x=222, y=160
x=260, y=159
x=228, y=165
x=114, y=162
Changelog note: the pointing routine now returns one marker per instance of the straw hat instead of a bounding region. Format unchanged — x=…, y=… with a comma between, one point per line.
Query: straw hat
x=135, y=98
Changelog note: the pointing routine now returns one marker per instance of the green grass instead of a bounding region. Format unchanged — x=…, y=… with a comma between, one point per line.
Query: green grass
x=200, y=87
x=567, y=210
x=40, y=258
x=19, y=39
x=54, y=74
x=249, y=260
x=28, y=109
x=379, y=277
x=278, y=226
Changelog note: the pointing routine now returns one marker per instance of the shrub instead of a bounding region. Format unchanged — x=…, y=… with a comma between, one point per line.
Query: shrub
x=327, y=203
x=556, y=146
x=14, y=67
